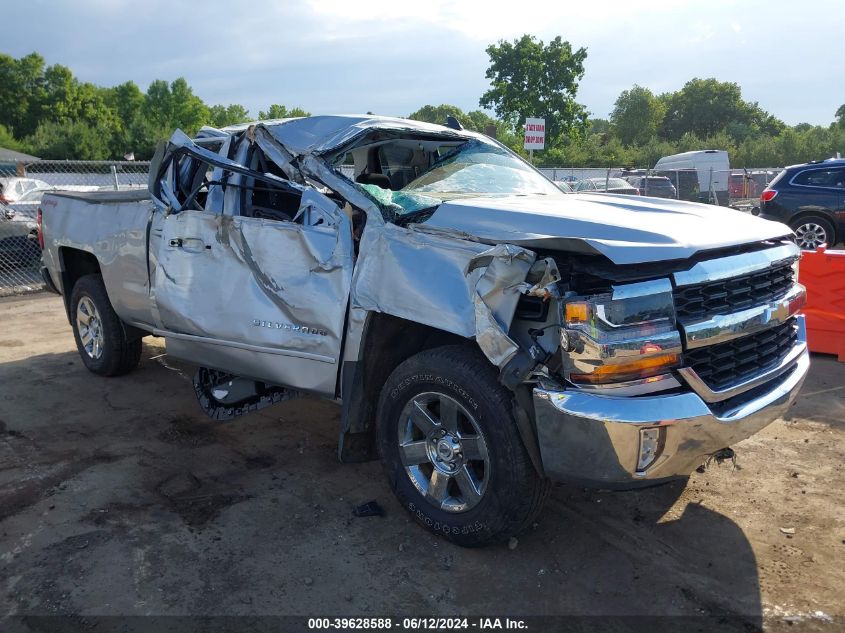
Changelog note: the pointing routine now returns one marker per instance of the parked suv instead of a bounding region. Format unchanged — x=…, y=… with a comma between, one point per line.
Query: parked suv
x=654, y=186
x=810, y=198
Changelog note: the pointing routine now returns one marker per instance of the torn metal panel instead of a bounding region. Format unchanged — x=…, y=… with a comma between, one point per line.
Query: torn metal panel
x=214, y=200
x=542, y=280
x=462, y=287
x=276, y=152
x=320, y=134
x=315, y=209
x=233, y=191
x=164, y=184
x=329, y=177
x=417, y=276
x=496, y=295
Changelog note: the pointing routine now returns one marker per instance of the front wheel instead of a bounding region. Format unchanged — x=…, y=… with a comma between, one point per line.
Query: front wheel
x=451, y=449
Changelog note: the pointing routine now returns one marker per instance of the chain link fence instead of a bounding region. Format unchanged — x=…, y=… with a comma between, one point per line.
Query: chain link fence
x=23, y=186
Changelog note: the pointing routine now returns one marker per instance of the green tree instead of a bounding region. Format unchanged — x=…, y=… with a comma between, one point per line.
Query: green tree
x=8, y=141
x=172, y=106
x=706, y=106
x=637, y=115
x=232, y=114
x=22, y=82
x=476, y=120
x=276, y=111
x=126, y=100
x=598, y=126
x=438, y=113
x=840, y=115
x=531, y=79
x=68, y=140
x=59, y=99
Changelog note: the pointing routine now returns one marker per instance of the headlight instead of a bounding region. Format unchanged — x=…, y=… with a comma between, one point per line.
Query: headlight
x=625, y=335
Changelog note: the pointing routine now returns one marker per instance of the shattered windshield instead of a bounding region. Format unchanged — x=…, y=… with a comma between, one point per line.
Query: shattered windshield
x=480, y=169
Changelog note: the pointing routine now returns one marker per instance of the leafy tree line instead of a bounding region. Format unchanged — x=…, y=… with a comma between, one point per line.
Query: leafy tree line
x=46, y=111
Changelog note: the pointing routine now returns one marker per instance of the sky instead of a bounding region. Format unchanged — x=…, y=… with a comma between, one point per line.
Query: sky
x=342, y=56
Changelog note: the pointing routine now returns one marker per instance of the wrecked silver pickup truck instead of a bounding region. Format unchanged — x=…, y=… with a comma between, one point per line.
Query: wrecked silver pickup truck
x=483, y=332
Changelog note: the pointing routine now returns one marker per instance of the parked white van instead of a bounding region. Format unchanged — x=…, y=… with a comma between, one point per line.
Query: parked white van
x=712, y=169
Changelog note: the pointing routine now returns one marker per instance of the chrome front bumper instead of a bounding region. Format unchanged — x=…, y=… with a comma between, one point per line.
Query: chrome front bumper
x=595, y=439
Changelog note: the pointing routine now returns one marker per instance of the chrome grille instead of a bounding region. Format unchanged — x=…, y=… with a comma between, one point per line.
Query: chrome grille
x=732, y=295
x=726, y=364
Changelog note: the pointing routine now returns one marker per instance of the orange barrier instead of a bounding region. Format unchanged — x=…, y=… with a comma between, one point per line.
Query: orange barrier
x=823, y=273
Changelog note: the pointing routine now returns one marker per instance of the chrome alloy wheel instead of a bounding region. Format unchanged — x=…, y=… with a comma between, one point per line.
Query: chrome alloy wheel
x=443, y=451
x=810, y=236
x=90, y=328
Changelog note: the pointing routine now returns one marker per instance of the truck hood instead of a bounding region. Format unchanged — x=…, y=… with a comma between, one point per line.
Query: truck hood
x=625, y=229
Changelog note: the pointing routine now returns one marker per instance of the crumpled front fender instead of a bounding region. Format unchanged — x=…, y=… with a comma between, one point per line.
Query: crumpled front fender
x=445, y=282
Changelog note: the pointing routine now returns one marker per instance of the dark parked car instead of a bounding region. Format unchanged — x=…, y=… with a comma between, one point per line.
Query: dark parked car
x=654, y=186
x=810, y=198
x=606, y=185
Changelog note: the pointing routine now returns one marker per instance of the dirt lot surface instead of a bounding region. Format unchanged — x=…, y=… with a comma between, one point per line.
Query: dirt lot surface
x=117, y=496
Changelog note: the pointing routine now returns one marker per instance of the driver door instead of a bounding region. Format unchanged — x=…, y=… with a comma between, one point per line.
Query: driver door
x=258, y=287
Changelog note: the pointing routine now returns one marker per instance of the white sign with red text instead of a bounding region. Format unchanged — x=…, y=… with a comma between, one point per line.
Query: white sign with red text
x=535, y=134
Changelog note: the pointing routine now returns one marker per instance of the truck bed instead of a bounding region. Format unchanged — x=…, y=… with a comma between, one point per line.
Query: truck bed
x=112, y=227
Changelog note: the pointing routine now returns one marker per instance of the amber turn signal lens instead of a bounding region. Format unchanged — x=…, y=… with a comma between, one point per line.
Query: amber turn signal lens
x=577, y=312
x=630, y=370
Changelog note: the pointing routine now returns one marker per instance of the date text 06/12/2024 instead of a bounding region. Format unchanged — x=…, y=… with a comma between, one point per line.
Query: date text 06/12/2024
x=416, y=624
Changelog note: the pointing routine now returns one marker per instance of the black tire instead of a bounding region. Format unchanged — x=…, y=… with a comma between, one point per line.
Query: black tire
x=120, y=353
x=814, y=220
x=513, y=493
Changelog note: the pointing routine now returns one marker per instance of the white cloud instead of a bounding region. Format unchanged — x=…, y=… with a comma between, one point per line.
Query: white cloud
x=392, y=57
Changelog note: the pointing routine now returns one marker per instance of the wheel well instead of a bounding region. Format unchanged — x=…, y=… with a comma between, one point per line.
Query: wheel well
x=75, y=264
x=386, y=342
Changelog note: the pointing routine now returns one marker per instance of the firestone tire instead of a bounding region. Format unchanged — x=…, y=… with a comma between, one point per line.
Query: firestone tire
x=444, y=417
x=100, y=336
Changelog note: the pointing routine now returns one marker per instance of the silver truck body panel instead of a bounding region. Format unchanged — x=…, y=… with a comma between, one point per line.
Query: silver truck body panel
x=274, y=294
x=320, y=134
x=112, y=226
x=417, y=276
x=625, y=229
x=459, y=286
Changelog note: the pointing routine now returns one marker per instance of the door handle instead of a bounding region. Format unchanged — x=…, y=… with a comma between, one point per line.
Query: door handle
x=190, y=244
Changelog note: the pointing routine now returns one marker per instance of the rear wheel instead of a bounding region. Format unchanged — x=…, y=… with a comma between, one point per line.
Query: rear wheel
x=451, y=449
x=812, y=231
x=100, y=335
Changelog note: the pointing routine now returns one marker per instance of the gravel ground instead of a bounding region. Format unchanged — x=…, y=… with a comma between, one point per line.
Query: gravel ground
x=117, y=496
